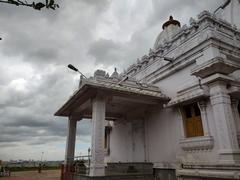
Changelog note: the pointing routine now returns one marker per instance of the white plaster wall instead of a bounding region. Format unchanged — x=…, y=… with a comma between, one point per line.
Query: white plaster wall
x=127, y=142
x=138, y=139
x=163, y=132
x=177, y=81
x=121, y=142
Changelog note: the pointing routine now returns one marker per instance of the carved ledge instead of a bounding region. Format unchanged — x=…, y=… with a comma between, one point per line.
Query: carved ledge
x=197, y=143
x=189, y=95
x=215, y=65
x=208, y=173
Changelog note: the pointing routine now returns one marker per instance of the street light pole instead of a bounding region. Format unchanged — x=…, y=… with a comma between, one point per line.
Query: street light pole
x=40, y=164
x=42, y=156
x=70, y=66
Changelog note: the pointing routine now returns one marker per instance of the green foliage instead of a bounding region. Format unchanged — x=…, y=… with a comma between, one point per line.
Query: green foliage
x=49, y=4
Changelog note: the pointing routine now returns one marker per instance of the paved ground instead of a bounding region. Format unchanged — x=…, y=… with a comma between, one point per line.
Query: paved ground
x=34, y=175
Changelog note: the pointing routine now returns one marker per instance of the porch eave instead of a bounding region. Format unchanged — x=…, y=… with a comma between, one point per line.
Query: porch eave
x=90, y=88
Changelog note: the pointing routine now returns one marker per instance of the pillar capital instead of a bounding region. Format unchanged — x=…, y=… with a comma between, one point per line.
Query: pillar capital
x=74, y=118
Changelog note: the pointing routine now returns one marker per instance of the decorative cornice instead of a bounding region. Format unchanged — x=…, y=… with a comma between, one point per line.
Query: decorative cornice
x=197, y=143
x=213, y=66
x=189, y=94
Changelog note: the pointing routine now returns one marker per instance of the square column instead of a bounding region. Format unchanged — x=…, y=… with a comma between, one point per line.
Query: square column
x=71, y=138
x=225, y=124
x=203, y=108
x=97, y=167
x=236, y=117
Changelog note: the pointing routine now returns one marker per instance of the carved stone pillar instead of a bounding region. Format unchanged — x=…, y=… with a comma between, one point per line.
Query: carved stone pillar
x=71, y=138
x=236, y=117
x=224, y=121
x=203, y=108
x=97, y=167
x=182, y=124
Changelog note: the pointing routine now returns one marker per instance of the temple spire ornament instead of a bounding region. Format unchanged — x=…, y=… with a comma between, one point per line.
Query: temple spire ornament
x=171, y=21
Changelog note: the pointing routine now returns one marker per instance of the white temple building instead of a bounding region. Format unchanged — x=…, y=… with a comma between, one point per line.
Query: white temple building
x=174, y=114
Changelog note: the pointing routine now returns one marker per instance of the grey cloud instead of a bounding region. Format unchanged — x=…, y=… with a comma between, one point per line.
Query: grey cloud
x=9, y=144
x=106, y=51
x=28, y=122
x=44, y=53
x=42, y=41
x=98, y=5
x=45, y=140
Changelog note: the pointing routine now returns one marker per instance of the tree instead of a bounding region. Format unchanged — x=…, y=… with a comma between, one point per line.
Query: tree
x=49, y=4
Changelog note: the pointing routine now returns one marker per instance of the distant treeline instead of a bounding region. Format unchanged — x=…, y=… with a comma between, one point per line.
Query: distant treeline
x=13, y=169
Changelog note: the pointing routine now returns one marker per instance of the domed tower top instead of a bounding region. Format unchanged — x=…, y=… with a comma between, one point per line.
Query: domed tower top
x=171, y=21
x=170, y=28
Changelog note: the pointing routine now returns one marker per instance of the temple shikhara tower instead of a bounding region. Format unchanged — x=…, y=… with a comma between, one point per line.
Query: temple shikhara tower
x=174, y=114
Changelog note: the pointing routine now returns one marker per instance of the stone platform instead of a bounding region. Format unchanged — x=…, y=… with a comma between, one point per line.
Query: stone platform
x=120, y=171
x=115, y=177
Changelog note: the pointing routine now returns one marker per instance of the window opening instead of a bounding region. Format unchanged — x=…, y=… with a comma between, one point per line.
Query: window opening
x=193, y=120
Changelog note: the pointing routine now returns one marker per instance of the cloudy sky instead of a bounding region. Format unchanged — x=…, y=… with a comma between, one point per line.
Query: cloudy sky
x=38, y=45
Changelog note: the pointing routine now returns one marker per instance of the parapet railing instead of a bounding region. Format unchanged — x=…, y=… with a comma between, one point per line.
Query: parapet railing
x=78, y=165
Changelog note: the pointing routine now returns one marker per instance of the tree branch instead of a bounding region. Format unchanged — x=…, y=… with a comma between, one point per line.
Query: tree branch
x=35, y=5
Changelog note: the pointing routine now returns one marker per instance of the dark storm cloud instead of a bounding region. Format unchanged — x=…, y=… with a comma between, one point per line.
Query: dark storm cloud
x=44, y=37
x=33, y=129
x=122, y=54
x=38, y=90
x=106, y=51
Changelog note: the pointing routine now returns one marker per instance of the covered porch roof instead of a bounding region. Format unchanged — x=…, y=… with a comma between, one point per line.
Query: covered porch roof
x=123, y=95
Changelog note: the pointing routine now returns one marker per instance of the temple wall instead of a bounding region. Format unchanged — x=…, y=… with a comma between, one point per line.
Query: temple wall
x=177, y=81
x=120, y=142
x=164, y=125
x=127, y=141
x=163, y=132
x=138, y=137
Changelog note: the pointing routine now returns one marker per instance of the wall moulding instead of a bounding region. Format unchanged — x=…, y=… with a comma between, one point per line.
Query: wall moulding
x=197, y=143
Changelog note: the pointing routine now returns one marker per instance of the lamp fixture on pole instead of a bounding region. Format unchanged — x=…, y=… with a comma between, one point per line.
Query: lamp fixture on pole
x=70, y=66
